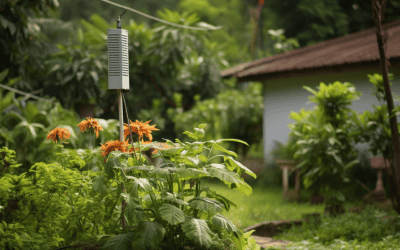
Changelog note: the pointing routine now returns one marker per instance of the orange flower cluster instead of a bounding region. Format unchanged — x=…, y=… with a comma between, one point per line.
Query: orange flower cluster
x=137, y=127
x=140, y=129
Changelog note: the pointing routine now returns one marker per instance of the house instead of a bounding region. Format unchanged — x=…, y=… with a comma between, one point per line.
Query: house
x=346, y=59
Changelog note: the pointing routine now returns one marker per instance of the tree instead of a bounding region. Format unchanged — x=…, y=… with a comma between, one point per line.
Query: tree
x=378, y=12
x=21, y=42
x=313, y=21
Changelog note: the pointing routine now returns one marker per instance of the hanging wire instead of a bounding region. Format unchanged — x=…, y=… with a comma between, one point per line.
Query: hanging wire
x=157, y=19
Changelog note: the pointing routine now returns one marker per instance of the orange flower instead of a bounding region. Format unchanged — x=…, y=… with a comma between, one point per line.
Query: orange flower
x=58, y=133
x=112, y=146
x=140, y=129
x=90, y=123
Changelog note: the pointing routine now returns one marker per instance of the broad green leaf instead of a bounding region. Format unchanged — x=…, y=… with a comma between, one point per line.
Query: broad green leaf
x=206, y=204
x=171, y=214
x=212, y=194
x=237, y=165
x=133, y=212
x=159, y=172
x=119, y=242
x=169, y=197
x=142, y=182
x=223, y=222
x=190, y=173
x=223, y=174
x=148, y=235
x=220, y=148
x=99, y=184
x=203, y=158
x=197, y=231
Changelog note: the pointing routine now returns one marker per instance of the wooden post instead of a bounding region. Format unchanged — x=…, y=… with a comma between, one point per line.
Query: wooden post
x=285, y=180
x=287, y=166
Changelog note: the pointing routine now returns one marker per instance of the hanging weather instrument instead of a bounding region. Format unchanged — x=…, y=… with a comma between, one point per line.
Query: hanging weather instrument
x=118, y=66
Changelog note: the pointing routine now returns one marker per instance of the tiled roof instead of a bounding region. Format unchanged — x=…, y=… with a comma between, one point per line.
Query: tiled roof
x=357, y=47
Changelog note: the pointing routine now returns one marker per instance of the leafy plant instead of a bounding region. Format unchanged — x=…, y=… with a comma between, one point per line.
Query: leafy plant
x=152, y=206
x=368, y=226
x=80, y=77
x=324, y=138
x=161, y=192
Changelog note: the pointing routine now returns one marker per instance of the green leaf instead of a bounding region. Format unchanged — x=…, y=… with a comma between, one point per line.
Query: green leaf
x=310, y=90
x=227, y=203
x=169, y=197
x=12, y=28
x=133, y=212
x=197, y=231
x=171, y=214
x=3, y=74
x=191, y=135
x=203, y=125
x=80, y=35
x=119, y=242
x=235, y=140
x=199, y=132
x=351, y=164
x=94, y=76
x=148, y=235
x=7, y=101
x=6, y=135
x=220, y=148
x=99, y=184
x=206, y=204
x=237, y=165
x=3, y=21
x=203, y=158
x=222, y=174
x=340, y=196
x=221, y=221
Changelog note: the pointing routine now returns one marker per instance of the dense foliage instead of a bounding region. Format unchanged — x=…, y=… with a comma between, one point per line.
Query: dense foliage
x=366, y=230
x=233, y=113
x=65, y=204
x=21, y=40
x=325, y=139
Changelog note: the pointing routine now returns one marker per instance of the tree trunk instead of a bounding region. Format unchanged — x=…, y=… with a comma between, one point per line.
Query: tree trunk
x=378, y=11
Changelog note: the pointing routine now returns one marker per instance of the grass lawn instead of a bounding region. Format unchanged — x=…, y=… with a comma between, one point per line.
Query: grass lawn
x=265, y=204
x=349, y=231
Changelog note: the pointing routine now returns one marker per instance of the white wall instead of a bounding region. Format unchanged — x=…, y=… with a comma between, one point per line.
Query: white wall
x=284, y=95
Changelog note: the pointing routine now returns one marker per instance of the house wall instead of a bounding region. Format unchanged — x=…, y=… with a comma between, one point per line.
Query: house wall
x=286, y=94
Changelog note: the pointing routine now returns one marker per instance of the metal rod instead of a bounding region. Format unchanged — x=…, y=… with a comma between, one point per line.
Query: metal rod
x=121, y=117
